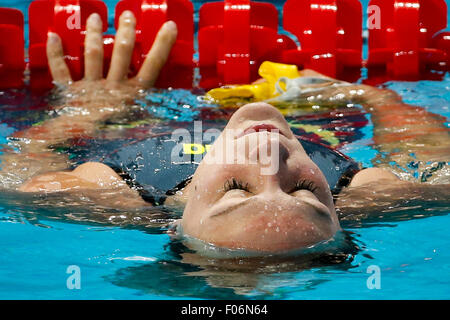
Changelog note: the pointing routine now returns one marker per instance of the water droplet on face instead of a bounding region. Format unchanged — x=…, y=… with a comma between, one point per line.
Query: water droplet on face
x=279, y=208
x=266, y=207
x=269, y=224
x=277, y=229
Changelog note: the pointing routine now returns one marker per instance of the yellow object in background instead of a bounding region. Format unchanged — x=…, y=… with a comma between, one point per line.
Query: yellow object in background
x=261, y=90
x=269, y=87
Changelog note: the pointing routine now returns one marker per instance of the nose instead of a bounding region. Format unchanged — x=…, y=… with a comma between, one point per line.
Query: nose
x=269, y=153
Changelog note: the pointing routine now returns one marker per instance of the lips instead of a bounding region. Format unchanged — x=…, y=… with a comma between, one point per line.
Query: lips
x=261, y=127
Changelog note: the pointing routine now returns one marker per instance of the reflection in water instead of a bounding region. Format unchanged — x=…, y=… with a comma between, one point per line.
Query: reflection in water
x=182, y=272
x=83, y=209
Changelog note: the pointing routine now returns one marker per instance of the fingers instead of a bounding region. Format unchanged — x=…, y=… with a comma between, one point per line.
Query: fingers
x=93, y=48
x=123, y=47
x=158, y=54
x=55, y=56
x=122, y=52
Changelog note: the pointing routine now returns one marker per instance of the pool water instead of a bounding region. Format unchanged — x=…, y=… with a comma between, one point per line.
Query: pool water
x=121, y=260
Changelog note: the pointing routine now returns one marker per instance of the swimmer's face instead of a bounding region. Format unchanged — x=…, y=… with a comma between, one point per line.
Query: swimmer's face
x=242, y=204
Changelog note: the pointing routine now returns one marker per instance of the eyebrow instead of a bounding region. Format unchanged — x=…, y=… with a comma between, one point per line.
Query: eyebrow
x=235, y=207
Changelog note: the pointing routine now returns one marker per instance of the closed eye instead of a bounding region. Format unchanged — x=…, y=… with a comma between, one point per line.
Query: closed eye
x=234, y=184
x=304, y=185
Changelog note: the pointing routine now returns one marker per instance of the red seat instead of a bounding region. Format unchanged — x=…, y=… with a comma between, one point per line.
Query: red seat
x=151, y=14
x=330, y=35
x=68, y=19
x=403, y=47
x=441, y=42
x=12, y=62
x=234, y=38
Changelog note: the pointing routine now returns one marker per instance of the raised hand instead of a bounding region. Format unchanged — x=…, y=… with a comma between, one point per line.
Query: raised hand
x=121, y=57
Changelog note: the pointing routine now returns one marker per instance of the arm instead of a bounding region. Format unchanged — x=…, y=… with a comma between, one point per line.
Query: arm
x=93, y=100
x=402, y=133
x=399, y=131
x=405, y=134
